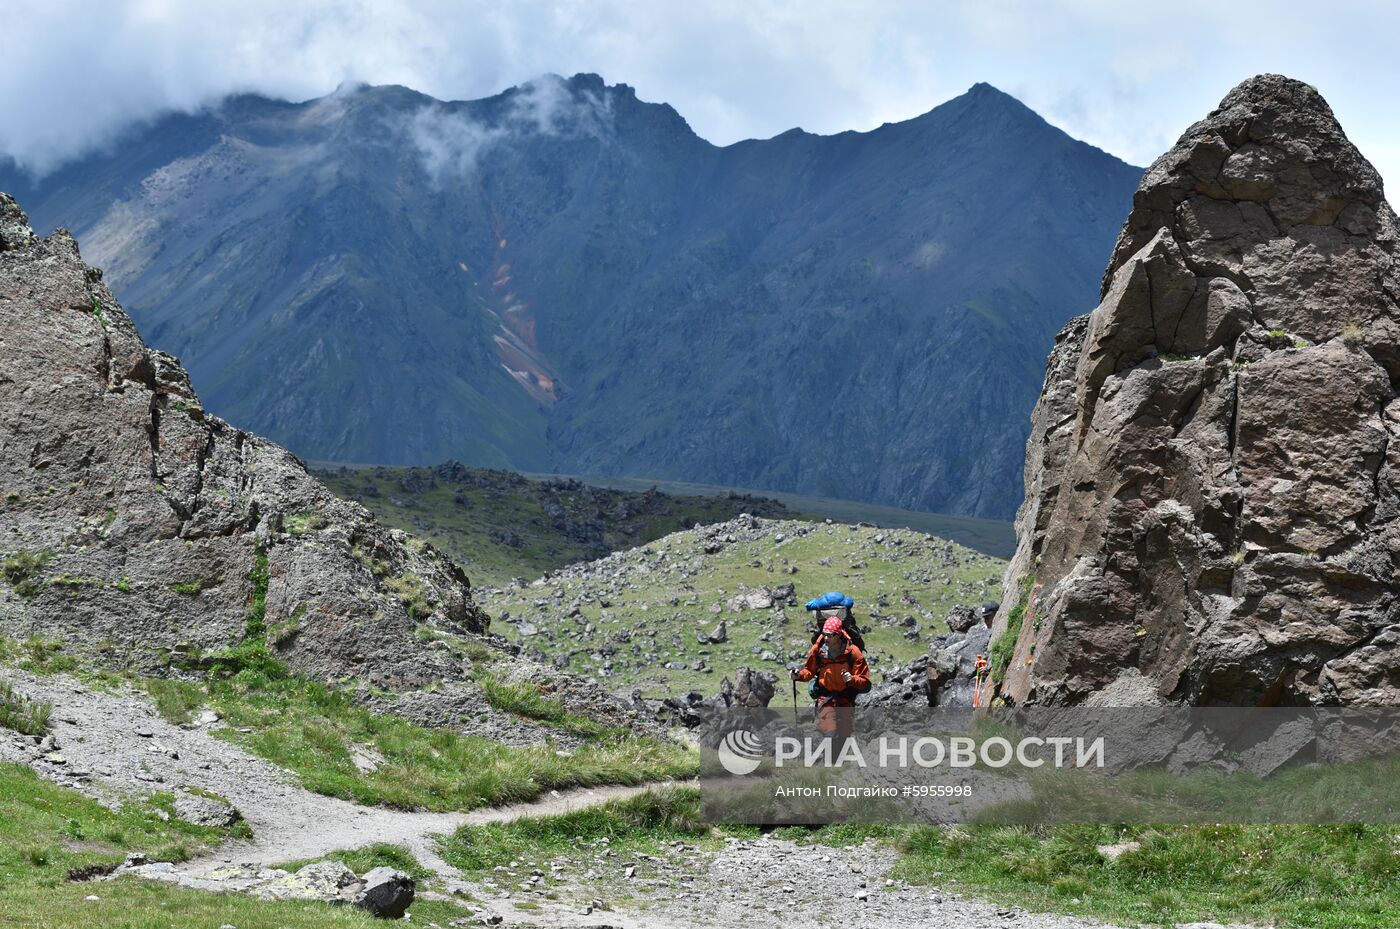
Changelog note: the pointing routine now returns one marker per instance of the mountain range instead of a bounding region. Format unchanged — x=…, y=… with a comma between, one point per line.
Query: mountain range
x=564, y=277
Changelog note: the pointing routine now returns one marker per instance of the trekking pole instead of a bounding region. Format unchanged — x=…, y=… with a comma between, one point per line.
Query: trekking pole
x=793, y=678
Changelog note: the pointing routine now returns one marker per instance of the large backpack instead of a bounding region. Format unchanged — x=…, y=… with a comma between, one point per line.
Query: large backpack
x=835, y=605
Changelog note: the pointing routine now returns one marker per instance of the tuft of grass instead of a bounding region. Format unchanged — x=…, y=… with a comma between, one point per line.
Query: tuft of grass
x=176, y=700
x=412, y=593
x=22, y=570
x=22, y=715
x=304, y=522
x=196, y=587
x=526, y=699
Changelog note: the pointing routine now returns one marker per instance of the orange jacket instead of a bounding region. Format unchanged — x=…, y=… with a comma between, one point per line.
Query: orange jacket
x=827, y=671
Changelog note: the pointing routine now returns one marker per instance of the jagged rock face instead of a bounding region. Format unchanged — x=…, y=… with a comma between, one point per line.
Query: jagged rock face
x=1212, y=510
x=133, y=524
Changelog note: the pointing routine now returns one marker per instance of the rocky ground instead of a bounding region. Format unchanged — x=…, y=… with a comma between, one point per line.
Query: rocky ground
x=764, y=881
x=694, y=607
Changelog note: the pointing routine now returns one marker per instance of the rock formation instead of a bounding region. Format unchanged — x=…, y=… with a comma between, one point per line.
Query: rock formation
x=1212, y=511
x=134, y=525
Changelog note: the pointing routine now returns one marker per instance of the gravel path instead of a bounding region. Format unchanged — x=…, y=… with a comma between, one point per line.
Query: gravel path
x=106, y=744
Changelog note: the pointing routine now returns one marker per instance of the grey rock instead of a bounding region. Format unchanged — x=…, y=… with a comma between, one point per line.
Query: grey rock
x=386, y=893
x=1212, y=510
x=323, y=880
x=205, y=811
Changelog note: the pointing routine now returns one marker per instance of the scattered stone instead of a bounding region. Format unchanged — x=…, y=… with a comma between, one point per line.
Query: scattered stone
x=205, y=811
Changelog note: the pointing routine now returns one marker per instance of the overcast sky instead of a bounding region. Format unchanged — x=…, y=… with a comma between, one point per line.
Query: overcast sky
x=1127, y=77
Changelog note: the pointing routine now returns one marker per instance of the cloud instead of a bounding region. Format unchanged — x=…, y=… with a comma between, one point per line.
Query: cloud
x=1126, y=77
x=452, y=142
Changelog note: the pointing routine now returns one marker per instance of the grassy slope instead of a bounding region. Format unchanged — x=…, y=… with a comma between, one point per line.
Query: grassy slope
x=314, y=730
x=45, y=830
x=824, y=559
x=468, y=520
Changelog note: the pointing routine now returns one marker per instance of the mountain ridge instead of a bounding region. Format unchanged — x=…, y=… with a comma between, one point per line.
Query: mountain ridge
x=565, y=276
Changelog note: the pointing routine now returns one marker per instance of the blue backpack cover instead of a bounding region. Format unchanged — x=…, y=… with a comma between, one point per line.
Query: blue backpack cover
x=833, y=599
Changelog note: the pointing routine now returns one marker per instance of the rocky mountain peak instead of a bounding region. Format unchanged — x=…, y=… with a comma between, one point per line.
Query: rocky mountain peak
x=1211, y=512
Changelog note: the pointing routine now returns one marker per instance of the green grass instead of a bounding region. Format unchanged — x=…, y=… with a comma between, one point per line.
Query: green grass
x=176, y=701
x=311, y=729
x=20, y=714
x=304, y=523
x=363, y=860
x=37, y=655
x=195, y=587
x=641, y=823
x=314, y=730
x=46, y=830
x=1326, y=877
x=1004, y=648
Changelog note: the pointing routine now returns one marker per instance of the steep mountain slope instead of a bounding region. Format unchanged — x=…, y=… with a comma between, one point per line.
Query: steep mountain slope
x=565, y=276
x=1212, y=507
x=139, y=531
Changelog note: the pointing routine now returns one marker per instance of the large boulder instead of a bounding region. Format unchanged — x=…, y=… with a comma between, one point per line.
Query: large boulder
x=1212, y=510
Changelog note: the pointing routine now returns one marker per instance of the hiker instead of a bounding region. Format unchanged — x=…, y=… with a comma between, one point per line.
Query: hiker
x=839, y=605
x=838, y=672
